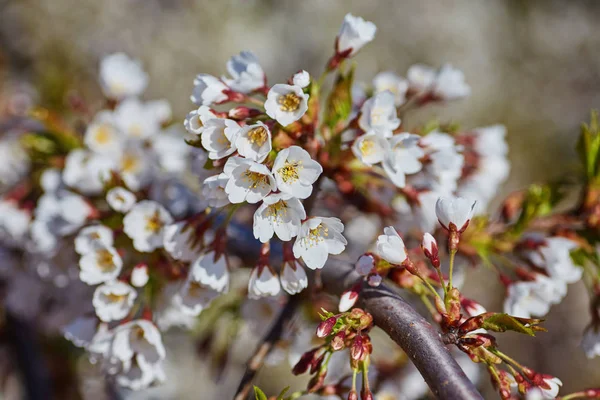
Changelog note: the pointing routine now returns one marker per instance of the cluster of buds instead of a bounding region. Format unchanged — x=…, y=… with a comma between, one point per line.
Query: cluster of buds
x=343, y=331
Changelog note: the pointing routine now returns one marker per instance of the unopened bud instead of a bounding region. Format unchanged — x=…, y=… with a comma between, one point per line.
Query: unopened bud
x=366, y=394
x=430, y=249
x=304, y=362
x=139, y=275
x=352, y=395
x=357, y=350
x=324, y=329
x=349, y=298
x=374, y=280
x=243, y=112
x=338, y=341
x=365, y=264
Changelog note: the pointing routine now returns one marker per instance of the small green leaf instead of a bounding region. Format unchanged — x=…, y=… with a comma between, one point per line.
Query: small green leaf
x=283, y=392
x=208, y=165
x=500, y=322
x=339, y=103
x=196, y=142
x=259, y=394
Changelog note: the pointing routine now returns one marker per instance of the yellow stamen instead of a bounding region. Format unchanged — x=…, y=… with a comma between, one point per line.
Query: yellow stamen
x=366, y=147
x=256, y=179
x=277, y=211
x=258, y=135
x=289, y=171
x=103, y=135
x=317, y=235
x=105, y=260
x=289, y=102
x=129, y=163
x=153, y=223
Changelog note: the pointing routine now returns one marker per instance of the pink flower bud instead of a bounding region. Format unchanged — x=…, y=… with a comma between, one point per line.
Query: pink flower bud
x=337, y=343
x=357, y=350
x=349, y=298
x=304, y=362
x=430, y=249
x=324, y=329
x=352, y=395
x=243, y=112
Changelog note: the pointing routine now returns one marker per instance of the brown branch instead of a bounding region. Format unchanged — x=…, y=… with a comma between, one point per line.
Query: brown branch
x=419, y=340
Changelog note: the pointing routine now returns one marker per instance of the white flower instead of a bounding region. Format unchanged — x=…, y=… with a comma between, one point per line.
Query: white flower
x=195, y=120
x=421, y=77
x=160, y=110
x=120, y=76
x=370, y=148
x=279, y=214
x=15, y=161
x=301, y=79
x=295, y=171
x=145, y=224
x=86, y=171
x=100, y=265
x=379, y=114
x=354, y=33
x=390, y=246
x=208, y=90
x=138, y=338
x=450, y=83
x=490, y=141
x=139, y=275
x=219, y=137
x=556, y=258
x=138, y=374
x=454, y=213
x=213, y=190
x=120, y=199
x=248, y=181
x=254, y=142
x=591, y=342
x=286, y=103
x=533, y=298
x=402, y=158
x=293, y=277
x=429, y=244
x=112, y=301
x=319, y=237
x=395, y=84
x=551, y=389
x=365, y=264
x=102, y=137
x=171, y=152
x=246, y=72
x=136, y=166
x=211, y=270
x=347, y=300
x=91, y=236
x=263, y=282
x=179, y=241
x=14, y=222
x=193, y=298
x=136, y=120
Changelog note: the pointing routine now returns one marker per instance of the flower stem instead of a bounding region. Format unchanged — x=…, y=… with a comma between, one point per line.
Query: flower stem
x=451, y=270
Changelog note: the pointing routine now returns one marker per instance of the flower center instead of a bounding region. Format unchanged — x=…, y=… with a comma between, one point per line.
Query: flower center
x=317, y=235
x=278, y=210
x=105, y=260
x=289, y=171
x=103, y=135
x=256, y=179
x=258, y=136
x=367, y=147
x=115, y=298
x=289, y=102
x=153, y=223
x=129, y=163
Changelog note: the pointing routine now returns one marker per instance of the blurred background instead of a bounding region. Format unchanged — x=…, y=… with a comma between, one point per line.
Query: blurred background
x=533, y=66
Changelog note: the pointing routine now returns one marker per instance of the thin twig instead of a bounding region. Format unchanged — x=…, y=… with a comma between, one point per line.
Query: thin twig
x=265, y=346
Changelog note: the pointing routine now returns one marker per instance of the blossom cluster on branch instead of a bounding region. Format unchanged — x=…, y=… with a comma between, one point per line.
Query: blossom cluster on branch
x=149, y=221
